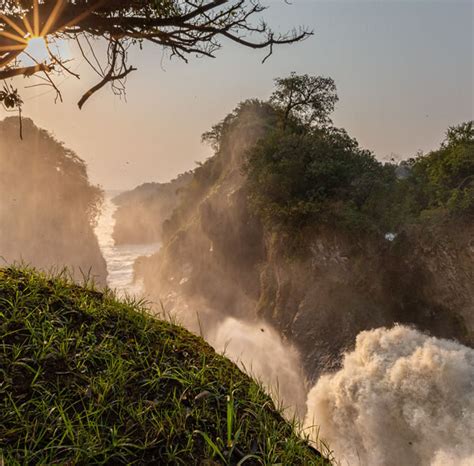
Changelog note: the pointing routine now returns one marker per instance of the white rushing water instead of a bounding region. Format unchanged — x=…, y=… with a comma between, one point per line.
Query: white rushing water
x=400, y=398
x=120, y=259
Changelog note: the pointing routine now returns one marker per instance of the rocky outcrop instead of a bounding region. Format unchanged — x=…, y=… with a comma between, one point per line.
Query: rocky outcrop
x=47, y=205
x=207, y=266
x=323, y=298
x=219, y=261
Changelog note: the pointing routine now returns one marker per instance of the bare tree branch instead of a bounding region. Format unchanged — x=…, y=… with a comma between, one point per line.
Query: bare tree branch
x=182, y=27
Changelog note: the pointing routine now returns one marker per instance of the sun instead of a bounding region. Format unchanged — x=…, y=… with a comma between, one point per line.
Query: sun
x=37, y=50
x=30, y=33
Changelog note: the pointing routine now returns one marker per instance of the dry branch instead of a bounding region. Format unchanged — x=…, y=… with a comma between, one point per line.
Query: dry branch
x=183, y=27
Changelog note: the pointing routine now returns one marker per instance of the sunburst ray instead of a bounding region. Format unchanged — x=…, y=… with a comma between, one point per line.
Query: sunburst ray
x=13, y=25
x=28, y=27
x=53, y=17
x=36, y=18
x=15, y=37
x=12, y=48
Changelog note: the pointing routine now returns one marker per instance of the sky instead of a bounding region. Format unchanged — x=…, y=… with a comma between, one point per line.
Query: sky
x=404, y=72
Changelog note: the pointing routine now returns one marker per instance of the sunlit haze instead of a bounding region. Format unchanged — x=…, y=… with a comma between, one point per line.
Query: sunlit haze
x=404, y=72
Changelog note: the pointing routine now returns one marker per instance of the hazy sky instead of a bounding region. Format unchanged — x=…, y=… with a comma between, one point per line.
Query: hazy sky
x=404, y=72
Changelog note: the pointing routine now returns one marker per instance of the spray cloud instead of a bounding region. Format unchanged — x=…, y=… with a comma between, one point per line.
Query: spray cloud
x=401, y=397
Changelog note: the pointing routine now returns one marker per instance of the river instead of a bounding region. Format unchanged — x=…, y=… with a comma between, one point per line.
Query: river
x=120, y=258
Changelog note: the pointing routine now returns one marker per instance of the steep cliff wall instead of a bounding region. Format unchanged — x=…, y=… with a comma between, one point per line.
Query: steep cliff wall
x=343, y=285
x=208, y=265
x=47, y=205
x=218, y=261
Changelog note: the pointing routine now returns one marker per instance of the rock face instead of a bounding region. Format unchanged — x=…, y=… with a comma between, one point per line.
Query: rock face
x=217, y=260
x=142, y=211
x=344, y=285
x=212, y=245
x=47, y=205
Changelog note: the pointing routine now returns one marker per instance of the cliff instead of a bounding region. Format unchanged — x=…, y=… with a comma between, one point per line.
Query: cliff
x=48, y=207
x=343, y=285
x=219, y=260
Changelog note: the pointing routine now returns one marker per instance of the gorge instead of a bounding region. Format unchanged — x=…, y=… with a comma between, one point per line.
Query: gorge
x=344, y=311
x=364, y=334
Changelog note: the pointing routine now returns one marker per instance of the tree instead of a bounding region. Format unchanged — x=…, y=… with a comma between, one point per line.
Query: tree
x=307, y=99
x=182, y=27
x=443, y=180
x=321, y=177
x=460, y=134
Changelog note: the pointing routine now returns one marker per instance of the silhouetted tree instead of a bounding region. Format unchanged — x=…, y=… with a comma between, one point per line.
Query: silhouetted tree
x=181, y=26
x=309, y=99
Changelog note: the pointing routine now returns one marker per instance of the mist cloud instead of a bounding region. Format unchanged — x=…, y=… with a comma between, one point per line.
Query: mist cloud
x=401, y=398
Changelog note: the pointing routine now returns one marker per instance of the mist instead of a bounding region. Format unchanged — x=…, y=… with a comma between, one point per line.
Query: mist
x=258, y=349
x=401, y=397
x=319, y=343
x=47, y=206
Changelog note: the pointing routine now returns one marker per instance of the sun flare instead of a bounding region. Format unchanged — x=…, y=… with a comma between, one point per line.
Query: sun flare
x=36, y=49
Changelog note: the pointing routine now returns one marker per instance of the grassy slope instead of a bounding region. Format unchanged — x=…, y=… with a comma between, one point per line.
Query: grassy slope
x=87, y=379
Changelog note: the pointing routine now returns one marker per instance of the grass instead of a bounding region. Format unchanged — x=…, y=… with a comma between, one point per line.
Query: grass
x=88, y=379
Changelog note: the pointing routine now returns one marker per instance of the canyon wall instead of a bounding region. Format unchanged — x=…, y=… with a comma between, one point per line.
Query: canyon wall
x=47, y=205
x=218, y=261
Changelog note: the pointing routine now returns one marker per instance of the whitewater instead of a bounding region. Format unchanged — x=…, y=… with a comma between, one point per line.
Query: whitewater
x=120, y=258
x=400, y=398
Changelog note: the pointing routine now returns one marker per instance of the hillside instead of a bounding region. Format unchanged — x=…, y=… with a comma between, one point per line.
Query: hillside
x=48, y=207
x=87, y=379
x=138, y=210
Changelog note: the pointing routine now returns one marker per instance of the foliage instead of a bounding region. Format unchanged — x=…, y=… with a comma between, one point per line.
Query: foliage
x=298, y=178
x=460, y=134
x=9, y=97
x=323, y=176
x=87, y=379
x=251, y=116
x=307, y=172
x=442, y=181
x=307, y=99
x=248, y=112
x=46, y=201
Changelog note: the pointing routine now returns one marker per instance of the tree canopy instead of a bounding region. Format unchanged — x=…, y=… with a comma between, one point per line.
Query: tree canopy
x=306, y=172
x=182, y=27
x=443, y=180
x=306, y=99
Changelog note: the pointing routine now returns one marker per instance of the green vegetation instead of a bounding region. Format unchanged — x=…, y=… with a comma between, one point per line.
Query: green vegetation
x=304, y=100
x=87, y=379
x=305, y=172
x=252, y=117
x=442, y=182
x=318, y=177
